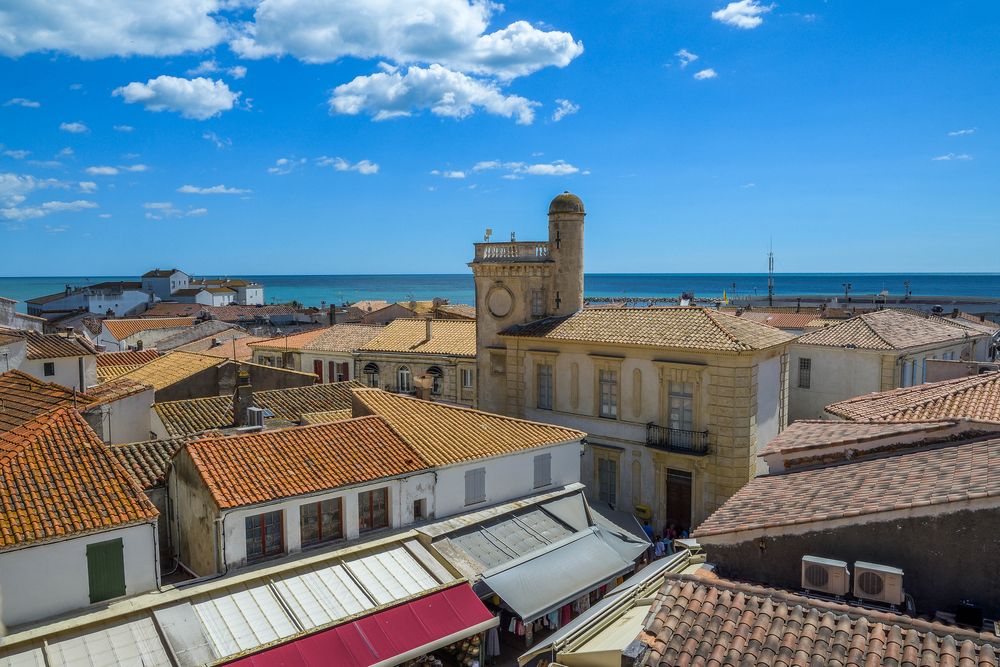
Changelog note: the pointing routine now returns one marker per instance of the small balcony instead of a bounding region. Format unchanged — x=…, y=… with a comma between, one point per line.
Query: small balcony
x=677, y=440
x=514, y=251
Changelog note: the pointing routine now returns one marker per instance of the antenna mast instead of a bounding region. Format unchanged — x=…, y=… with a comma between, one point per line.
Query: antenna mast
x=770, y=275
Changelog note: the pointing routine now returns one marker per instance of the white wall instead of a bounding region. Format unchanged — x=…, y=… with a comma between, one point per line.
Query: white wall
x=13, y=355
x=49, y=579
x=836, y=374
x=768, y=400
x=128, y=419
x=251, y=296
x=67, y=371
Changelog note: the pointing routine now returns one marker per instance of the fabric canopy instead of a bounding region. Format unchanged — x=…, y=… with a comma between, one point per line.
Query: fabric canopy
x=388, y=637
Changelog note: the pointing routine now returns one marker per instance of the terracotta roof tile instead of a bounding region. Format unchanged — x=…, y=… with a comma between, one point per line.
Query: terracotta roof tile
x=171, y=368
x=336, y=338
x=117, y=389
x=51, y=346
x=24, y=397
x=258, y=467
x=887, y=330
x=59, y=480
x=780, y=320
x=127, y=358
x=122, y=329
x=148, y=461
x=460, y=310
x=448, y=337
x=237, y=349
x=717, y=622
x=231, y=313
x=976, y=397
x=804, y=435
x=936, y=476
x=202, y=414
x=447, y=434
x=325, y=417
x=679, y=327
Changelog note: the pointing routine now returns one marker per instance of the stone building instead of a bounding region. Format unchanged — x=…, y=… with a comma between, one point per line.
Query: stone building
x=675, y=401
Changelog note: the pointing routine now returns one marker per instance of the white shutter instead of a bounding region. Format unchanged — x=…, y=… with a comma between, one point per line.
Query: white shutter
x=543, y=470
x=475, y=486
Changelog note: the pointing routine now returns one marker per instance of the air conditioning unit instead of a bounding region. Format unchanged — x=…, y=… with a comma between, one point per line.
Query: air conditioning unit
x=878, y=583
x=255, y=417
x=824, y=575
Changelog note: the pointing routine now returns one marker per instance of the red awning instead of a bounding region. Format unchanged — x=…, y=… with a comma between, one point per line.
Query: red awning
x=387, y=637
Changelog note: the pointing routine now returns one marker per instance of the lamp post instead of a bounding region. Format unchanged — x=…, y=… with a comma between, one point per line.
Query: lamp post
x=847, y=291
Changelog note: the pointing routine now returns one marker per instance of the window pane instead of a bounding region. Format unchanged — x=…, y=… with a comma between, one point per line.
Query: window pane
x=332, y=527
x=273, y=542
x=608, y=380
x=805, y=373
x=309, y=521
x=254, y=544
x=544, y=380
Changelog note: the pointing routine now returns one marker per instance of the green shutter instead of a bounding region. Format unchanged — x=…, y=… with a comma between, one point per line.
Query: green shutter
x=106, y=570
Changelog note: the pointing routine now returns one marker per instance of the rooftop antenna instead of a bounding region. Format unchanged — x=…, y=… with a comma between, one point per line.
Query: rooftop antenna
x=488, y=234
x=770, y=273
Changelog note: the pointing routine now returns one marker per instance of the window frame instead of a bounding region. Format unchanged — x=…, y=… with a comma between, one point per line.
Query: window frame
x=467, y=373
x=687, y=405
x=612, y=495
x=370, y=525
x=48, y=369
x=546, y=460
x=544, y=385
x=261, y=518
x=805, y=363
x=321, y=538
x=613, y=387
x=475, y=498
x=538, y=303
x=372, y=377
x=437, y=380
x=401, y=372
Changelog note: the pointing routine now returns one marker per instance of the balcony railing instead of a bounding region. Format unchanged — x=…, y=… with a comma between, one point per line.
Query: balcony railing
x=677, y=440
x=514, y=251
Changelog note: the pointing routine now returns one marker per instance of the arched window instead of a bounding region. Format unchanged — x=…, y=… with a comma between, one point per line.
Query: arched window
x=371, y=375
x=438, y=383
x=404, y=379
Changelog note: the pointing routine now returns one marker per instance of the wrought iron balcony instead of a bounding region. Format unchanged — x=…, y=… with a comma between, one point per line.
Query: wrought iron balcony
x=514, y=251
x=677, y=440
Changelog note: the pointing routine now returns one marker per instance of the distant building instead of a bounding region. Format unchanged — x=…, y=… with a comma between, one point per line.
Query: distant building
x=327, y=352
x=68, y=360
x=137, y=334
x=435, y=308
x=120, y=299
x=164, y=282
x=876, y=351
x=9, y=317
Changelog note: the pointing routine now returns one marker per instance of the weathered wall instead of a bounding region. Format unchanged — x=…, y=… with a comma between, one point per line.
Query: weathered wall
x=945, y=558
x=836, y=374
x=67, y=371
x=192, y=529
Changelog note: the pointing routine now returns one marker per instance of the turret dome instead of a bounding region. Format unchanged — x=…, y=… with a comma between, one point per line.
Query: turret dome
x=566, y=203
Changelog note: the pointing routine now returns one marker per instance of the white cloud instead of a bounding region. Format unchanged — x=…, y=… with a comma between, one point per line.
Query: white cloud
x=104, y=215
x=102, y=171
x=391, y=94
x=44, y=209
x=58, y=229
x=708, y=73
x=285, y=165
x=365, y=167
x=158, y=210
x=952, y=156
x=962, y=133
x=88, y=186
x=22, y=102
x=76, y=86
x=124, y=128
x=196, y=212
x=746, y=14
x=448, y=32
x=17, y=154
x=448, y=174
x=211, y=67
x=74, y=128
x=46, y=164
x=14, y=188
x=685, y=57
x=102, y=28
x=198, y=98
x=219, y=142
x=213, y=190
x=565, y=108
x=66, y=152
x=134, y=167
x=517, y=170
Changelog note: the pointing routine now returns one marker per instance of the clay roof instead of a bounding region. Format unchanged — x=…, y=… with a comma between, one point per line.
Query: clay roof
x=907, y=480
x=258, y=467
x=679, y=327
x=715, y=622
x=171, y=368
x=117, y=389
x=160, y=273
x=461, y=310
x=336, y=338
x=448, y=337
x=975, y=397
x=23, y=397
x=57, y=480
x=369, y=305
x=220, y=290
x=886, y=330
x=49, y=346
x=230, y=313
x=810, y=434
x=233, y=348
x=40, y=300
x=202, y=414
x=326, y=417
x=148, y=461
x=780, y=320
x=127, y=358
x=7, y=339
x=447, y=434
x=122, y=329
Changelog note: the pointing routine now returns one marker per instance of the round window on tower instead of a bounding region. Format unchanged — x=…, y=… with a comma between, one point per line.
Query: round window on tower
x=500, y=301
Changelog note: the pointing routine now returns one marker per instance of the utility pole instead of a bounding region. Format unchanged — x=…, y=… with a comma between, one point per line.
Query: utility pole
x=847, y=292
x=770, y=275
x=906, y=290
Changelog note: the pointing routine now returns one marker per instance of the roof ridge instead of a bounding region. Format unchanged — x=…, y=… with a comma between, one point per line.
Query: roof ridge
x=972, y=380
x=875, y=333
x=731, y=336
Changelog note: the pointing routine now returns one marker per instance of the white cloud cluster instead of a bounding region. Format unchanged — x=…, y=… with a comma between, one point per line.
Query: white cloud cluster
x=285, y=165
x=212, y=67
x=124, y=128
x=101, y=28
x=685, y=57
x=962, y=133
x=364, y=167
x=564, y=108
x=15, y=188
x=220, y=142
x=45, y=208
x=746, y=14
x=199, y=98
x=105, y=170
x=948, y=157
x=17, y=154
x=74, y=128
x=22, y=102
x=159, y=210
x=393, y=94
x=448, y=173
x=213, y=190
x=708, y=73
x=518, y=170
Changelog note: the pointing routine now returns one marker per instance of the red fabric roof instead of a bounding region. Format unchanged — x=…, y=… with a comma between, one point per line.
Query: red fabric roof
x=382, y=636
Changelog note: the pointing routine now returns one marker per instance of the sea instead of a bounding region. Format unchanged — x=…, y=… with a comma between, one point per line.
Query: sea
x=458, y=288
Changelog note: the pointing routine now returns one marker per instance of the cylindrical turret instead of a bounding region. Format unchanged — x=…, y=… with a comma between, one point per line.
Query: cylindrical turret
x=566, y=250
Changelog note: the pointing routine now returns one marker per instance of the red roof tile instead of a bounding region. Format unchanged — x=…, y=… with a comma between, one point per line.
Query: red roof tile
x=976, y=397
x=127, y=358
x=24, y=397
x=122, y=329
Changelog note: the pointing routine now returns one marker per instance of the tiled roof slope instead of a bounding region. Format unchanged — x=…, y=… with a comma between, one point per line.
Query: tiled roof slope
x=448, y=337
x=148, y=461
x=232, y=313
x=954, y=473
x=117, y=389
x=196, y=332
x=678, y=327
x=127, y=358
x=336, y=338
x=715, y=622
x=975, y=397
x=462, y=310
x=447, y=434
x=57, y=480
x=171, y=368
x=326, y=416
x=258, y=467
x=886, y=330
x=201, y=414
x=780, y=320
x=809, y=434
x=122, y=329
x=50, y=346
x=23, y=397
x=237, y=349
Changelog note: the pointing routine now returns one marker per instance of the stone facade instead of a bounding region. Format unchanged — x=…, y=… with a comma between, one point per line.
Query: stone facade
x=389, y=363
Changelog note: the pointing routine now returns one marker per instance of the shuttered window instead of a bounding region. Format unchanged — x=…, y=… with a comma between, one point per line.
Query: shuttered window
x=265, y=535
x=805, y=373
x=106, y=570
x=543, y=470
x=373, y=510
x=544, y=388
x=475, y=486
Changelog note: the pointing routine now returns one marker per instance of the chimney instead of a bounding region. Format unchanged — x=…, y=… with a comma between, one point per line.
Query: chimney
x=242, y=398
x=954, y=312
x=422, y=385
x=333, y=313
x=428, y=322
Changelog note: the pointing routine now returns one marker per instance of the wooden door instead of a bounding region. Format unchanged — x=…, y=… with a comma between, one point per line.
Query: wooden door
x=679, y=489
x=318, y=369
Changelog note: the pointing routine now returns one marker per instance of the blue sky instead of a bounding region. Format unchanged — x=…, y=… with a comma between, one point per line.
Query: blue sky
x=815, y=124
